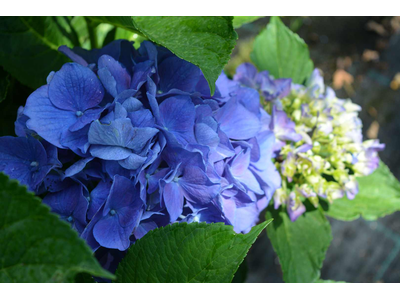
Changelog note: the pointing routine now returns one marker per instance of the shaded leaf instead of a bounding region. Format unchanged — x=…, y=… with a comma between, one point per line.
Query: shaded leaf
x=301, y=245
x=181, y=252
x=35, y=245
x=4, y=84
x=29, y=48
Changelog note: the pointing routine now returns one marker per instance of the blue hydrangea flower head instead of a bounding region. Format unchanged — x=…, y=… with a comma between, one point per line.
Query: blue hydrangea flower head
x=122, y=141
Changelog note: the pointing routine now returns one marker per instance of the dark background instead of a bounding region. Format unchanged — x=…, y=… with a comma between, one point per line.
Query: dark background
x=360, y=57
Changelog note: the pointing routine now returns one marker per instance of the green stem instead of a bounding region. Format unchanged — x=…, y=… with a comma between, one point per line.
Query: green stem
x=92, y=27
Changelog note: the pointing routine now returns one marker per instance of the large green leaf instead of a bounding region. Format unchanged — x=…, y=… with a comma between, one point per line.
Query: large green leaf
x=239, y=21
x=181, y=252
x=35, y=245
x=29, y=46
x=379, y=195
x=282, y=53
x=206, y=42
x=300, y=245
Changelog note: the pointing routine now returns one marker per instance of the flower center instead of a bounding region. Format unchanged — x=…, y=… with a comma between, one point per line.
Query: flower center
x=112, y=212
x=79, y=113
x=34, y=164
x=70, y=219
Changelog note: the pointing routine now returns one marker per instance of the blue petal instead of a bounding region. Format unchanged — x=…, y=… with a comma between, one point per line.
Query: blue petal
x=77, y=141
x=20, y=123
x=142, y=118
x=141, y=72
x=178, y=114
x=243, y=217
x=132, y=104
x=98, y=197
x=246, y=75
x=179, y=74
x=45, y=119
x=108, y=233
x=75, y=88
x=110, y=152
x=173, y=200
x=133, y=161
x=197, y=186
x=72, y=55
x=144, y=228
x=205, y=135
x=117, y=133
x=24, y=159
x=250, y=99
x=113, y=76
x=86, y=118
x=238, y=122
x=77, y=167
x=70, y=204
x=121, y=215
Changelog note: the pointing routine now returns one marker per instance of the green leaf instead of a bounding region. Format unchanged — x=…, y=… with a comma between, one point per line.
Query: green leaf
x=206, y=42
x=35, y=245
x=300, y=245
x=379, y=195
x=282, y=53
x=84, y=278
x=241, y=273
x=4, y=84
x=181, y=252
x=328, y=281
x=29, y=48
x=239, y=21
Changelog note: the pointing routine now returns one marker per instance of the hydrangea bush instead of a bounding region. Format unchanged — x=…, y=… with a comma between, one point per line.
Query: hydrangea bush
x=138, y=149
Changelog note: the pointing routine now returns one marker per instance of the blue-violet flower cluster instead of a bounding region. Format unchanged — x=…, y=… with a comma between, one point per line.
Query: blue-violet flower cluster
x=122, y=141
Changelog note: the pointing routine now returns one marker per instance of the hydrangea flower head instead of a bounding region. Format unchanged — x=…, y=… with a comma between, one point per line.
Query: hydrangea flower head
x=122, y=141
x=319, y=150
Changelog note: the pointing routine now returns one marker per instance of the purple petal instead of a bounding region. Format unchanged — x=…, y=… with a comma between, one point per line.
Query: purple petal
x=246, y=74
x=72, y=55
x=173, y=200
